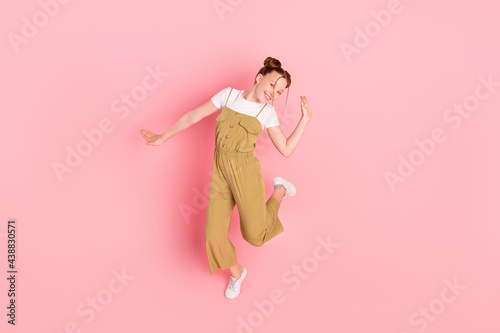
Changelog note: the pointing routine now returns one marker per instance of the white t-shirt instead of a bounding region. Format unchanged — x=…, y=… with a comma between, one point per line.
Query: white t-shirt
x=268, y=116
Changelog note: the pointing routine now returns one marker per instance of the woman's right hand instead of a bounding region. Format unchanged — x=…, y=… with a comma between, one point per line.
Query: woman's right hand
x=152, y=139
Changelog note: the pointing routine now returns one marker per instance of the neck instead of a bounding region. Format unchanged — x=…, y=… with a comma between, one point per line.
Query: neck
x=249, y=95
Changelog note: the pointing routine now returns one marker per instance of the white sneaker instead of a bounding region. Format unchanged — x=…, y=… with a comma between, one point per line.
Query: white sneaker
x=290, y=189
x=233, y=288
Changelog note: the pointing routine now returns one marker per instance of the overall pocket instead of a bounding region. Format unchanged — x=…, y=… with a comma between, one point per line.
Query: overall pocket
x=251, y=129
x=251, y=125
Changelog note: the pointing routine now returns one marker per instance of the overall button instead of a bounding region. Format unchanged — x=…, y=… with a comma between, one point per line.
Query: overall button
x=227, y=136
x=237, y=113
x=231, y=125
x=224, y=146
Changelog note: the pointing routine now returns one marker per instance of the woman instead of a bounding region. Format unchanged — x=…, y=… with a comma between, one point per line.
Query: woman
x=236, y=176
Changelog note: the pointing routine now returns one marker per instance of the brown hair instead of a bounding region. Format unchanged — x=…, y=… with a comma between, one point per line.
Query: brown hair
x=273, y=64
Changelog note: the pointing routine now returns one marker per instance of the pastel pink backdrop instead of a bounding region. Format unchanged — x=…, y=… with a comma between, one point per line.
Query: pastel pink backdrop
x=119, y=210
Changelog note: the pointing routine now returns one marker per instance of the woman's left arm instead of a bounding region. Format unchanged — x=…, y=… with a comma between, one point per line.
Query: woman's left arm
x=285, y=145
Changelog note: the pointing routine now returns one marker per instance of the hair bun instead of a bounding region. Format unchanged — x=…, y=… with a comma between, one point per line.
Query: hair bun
x=272, y=62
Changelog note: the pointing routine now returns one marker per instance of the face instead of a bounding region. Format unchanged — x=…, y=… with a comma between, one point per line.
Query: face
x=272, y=85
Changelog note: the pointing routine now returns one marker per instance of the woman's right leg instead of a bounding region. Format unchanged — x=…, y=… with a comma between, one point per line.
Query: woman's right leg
x=235, y=271
x=221, y=252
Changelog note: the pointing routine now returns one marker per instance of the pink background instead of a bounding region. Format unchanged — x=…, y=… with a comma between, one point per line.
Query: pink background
x=120, y=208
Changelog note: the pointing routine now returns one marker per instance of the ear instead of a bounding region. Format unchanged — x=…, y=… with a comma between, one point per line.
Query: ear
x=259, y=78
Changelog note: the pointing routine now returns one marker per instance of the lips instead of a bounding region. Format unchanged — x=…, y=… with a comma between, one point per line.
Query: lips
x=267, y=96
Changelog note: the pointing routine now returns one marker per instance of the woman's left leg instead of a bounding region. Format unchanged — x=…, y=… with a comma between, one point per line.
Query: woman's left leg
x=259, y=220
x=279, y=194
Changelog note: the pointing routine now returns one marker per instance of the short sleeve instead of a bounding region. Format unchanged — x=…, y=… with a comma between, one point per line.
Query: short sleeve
x=272, y=118
x=220, y=98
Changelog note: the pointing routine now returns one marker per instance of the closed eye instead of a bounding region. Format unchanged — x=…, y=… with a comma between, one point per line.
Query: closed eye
x=272, y=85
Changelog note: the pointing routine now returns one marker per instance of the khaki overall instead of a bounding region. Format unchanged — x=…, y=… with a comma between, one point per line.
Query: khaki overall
x=237, y=179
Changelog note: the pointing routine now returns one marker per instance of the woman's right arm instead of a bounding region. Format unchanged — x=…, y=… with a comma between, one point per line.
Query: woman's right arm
x=188, y=119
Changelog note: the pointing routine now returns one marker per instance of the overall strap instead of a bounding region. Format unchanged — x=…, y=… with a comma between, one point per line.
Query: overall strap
x=228, y=96
x=260, y=110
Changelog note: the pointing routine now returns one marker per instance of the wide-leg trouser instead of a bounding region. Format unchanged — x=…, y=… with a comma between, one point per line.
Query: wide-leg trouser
x=237, y=179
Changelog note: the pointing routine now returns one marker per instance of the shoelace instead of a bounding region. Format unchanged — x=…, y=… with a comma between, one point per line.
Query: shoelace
x=232, y=282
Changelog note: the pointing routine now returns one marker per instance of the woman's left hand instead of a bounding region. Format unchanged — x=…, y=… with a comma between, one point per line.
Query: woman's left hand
x=306, y=109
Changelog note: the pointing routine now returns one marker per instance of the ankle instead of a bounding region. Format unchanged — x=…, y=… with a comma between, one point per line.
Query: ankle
x=280, y=188
x=238, y=275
